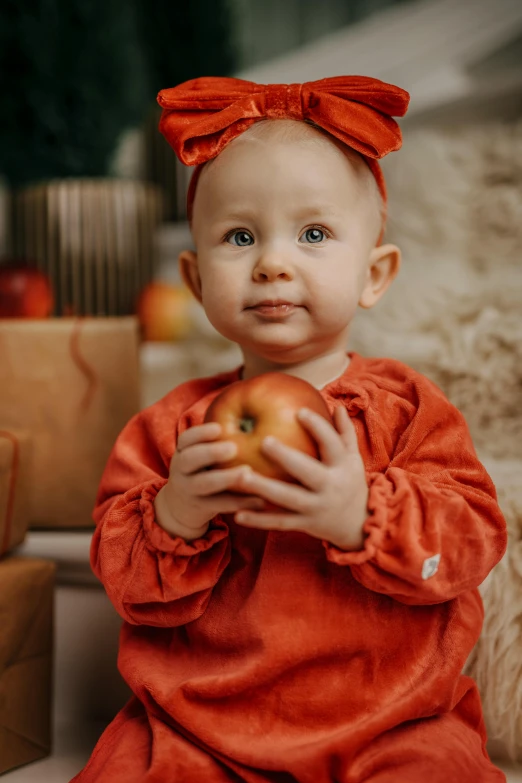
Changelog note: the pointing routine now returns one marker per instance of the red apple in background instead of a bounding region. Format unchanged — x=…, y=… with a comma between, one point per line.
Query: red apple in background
x=268, y=404
x=25, y=292
x=164, y=311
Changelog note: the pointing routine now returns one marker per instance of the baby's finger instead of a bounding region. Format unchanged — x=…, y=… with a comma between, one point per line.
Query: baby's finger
x=210, y=482
x=331, y=446
x=345, y=428
x=307, y=470
x=209, y=431
x=269, y=521
x=280, y=493
x=230, y=503
x=203, y=455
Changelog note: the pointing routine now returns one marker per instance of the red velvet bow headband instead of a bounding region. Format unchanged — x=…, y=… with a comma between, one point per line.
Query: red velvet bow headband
x=201, y=116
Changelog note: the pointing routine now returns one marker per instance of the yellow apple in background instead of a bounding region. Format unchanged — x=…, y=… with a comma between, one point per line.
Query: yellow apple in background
x=164, y=312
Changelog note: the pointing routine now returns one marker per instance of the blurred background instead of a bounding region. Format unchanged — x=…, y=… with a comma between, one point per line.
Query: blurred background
x=91, y=193
x=95, y=323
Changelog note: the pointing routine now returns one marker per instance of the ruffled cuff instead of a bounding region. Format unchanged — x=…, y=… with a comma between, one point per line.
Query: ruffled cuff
x=158, y=539
x=374, y=527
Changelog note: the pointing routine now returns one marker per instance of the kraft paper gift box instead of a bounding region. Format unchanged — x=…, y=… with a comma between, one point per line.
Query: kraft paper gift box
x=15, y=454
x=26, y=659
x=74, y=384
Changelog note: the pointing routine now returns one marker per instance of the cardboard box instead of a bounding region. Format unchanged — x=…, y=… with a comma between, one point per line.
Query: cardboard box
x=14, y=487
x=26, y=660
x=74, y=384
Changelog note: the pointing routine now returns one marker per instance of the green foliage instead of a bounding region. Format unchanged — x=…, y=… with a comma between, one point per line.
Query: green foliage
x=72, y=80
x=183, y=40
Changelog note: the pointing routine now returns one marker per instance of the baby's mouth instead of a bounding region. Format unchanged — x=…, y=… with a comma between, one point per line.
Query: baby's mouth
x=273, y=308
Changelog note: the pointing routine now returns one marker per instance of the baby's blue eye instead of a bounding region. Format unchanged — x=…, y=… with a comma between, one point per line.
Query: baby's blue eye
x=314, y=235
x=240, y=239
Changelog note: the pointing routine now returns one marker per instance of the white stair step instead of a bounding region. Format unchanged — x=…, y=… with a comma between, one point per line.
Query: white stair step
x=73, y=745
x=88, y=689
x=87, y=684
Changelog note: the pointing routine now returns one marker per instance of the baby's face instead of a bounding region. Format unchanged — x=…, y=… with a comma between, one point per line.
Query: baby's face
x=283, y=232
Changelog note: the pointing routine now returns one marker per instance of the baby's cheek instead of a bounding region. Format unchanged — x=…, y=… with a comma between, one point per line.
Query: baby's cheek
x=218, y=294
x=335, y=312
x=221, y=310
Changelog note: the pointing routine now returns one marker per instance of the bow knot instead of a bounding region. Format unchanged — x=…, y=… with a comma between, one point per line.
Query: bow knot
x=283, y=101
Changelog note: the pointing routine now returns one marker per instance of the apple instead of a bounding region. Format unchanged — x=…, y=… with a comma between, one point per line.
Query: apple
x=25, y=292
x=164, y=311
x=268, y=404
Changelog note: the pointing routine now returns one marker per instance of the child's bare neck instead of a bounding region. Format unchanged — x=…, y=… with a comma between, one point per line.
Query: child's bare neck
x=318, y=371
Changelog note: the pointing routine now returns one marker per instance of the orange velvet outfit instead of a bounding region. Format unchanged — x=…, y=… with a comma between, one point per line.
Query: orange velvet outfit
x=273, y=656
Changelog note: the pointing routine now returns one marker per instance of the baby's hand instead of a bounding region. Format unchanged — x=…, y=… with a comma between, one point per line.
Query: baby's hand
x=195, y=491
x=331, y=501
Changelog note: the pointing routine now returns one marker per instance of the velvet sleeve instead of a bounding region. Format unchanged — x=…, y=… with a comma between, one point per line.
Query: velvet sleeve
x=434, y=528
x=151, y=577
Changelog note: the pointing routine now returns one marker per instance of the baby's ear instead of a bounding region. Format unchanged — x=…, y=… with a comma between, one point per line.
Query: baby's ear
x=188, y=268
x=383, y=266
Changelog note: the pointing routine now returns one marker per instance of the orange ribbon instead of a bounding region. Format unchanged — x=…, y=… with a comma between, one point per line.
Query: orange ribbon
x=201, y=116
x=82, y=364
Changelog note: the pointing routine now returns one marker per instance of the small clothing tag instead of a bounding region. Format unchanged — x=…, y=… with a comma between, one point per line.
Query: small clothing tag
x=430, y=566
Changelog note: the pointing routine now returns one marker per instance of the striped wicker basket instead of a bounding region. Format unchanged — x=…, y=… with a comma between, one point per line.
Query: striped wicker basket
x=93, y=237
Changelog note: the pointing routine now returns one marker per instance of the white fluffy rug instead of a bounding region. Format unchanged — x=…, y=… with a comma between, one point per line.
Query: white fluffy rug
x=455, y=310
x=496, y=661
x=455, y=314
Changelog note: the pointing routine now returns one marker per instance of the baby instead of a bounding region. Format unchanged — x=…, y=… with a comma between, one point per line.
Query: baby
x=323, y=643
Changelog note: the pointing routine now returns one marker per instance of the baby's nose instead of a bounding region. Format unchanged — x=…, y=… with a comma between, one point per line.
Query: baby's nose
x=273, y=265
